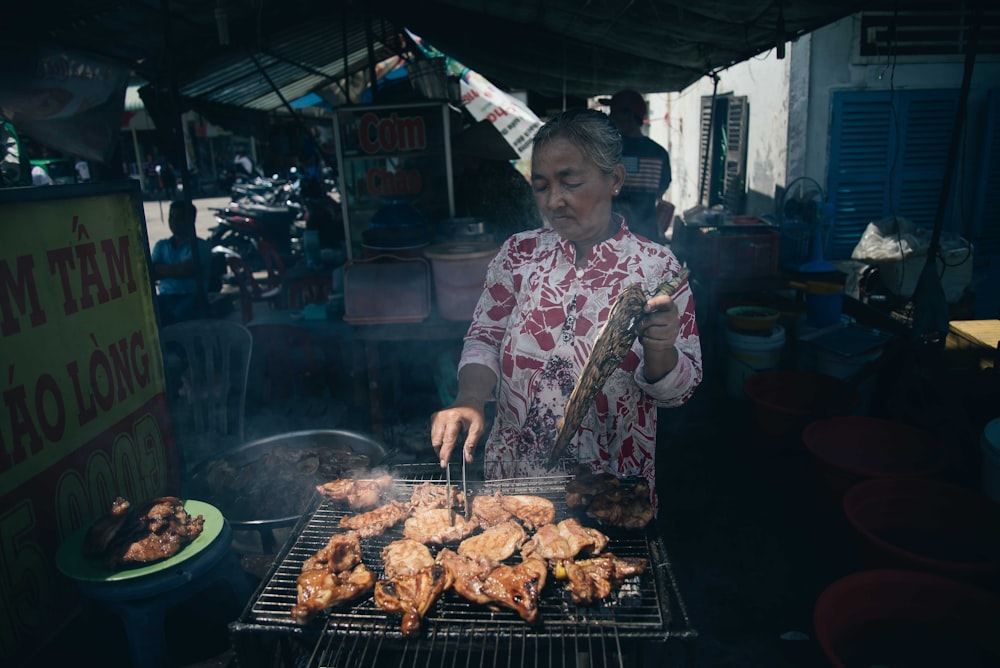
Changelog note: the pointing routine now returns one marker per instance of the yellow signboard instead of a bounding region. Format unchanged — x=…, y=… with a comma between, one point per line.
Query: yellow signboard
x=83, y=413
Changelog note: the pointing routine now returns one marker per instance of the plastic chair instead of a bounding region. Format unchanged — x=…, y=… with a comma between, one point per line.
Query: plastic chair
x=207, y=365
x=251, y=291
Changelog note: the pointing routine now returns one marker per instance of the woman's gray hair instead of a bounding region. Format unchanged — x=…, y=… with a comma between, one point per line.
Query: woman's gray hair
x=590, y=130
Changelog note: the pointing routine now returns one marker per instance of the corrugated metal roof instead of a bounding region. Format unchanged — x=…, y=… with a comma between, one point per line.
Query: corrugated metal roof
x=551, y=47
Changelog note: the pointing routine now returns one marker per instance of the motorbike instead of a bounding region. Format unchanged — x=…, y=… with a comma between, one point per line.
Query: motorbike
x=241, y=226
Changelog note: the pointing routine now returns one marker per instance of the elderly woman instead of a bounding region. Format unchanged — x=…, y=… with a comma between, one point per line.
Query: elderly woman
x=548, y=292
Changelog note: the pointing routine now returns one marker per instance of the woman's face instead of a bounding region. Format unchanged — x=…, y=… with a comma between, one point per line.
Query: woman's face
x=572, y=193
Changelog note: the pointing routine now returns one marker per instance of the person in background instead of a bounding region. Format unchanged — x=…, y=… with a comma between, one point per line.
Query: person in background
x=168, y=179
x=151, y=175
x=181, y=265
x=39, y=177
x=243, y=164
x=647, y=165
x=547, y=294
x=82, y=171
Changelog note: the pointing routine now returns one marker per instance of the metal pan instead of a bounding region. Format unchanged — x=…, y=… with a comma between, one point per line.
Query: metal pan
x=269, y=482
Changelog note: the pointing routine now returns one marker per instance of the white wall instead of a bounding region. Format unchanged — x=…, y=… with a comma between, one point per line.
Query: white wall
x=790, y=109
x=675, y=123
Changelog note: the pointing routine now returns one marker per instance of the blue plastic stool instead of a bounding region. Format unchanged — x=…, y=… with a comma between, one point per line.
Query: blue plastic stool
x=142, y=603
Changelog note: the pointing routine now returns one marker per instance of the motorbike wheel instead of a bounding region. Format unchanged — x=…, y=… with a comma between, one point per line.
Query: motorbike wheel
x=242, y=245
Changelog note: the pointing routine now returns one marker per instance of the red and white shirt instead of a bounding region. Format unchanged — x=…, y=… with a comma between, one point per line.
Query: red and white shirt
x=534, y=327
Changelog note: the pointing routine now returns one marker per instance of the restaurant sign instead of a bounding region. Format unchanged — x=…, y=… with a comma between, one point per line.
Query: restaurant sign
x=83, y=413
x=393, y=154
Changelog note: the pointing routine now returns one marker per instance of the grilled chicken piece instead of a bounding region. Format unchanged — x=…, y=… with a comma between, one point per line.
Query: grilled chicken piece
x=534, y=511
x=412, y=595
x=482, y=580
x=590, y=580
x=103, y=531
x=498, y=542
x=586, y=485
x=358, y=493
x=437, y=525
x=611, y=346
x=625, y=507
x=320, y=589
x=405, y=557
x=487, y=510
x=432, y=495
x=374, y=522
x=564, y=541
x=467, y=572
x=341, y=553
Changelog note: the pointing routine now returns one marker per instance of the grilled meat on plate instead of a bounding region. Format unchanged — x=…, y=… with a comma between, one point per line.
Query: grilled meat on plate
x=374, y=522
x=534, y=511
x=498, y=542
x=151, y=531
x=405, y=557
x=612, y=344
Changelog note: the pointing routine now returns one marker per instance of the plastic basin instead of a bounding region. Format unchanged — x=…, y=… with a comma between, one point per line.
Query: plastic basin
x=785, y=401
x=907, y=618
x=927, y=525
x=849, y=449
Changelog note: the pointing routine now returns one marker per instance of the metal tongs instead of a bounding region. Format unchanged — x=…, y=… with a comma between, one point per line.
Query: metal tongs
x=465, y=493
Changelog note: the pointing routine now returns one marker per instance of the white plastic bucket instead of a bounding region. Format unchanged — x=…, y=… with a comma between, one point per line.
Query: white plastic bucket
x=749, y=353
x=991, y=459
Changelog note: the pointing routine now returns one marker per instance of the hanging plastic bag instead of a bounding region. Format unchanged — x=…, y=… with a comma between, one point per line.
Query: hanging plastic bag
x=890, y=239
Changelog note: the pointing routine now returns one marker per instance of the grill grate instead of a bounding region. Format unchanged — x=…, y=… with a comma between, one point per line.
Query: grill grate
x=645, y=607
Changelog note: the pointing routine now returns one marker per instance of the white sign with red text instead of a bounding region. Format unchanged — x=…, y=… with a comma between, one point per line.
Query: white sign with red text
x=511, y=117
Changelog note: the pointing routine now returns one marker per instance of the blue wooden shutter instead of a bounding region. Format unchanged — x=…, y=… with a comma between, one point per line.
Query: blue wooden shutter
x=985, y=230
x=888, y=151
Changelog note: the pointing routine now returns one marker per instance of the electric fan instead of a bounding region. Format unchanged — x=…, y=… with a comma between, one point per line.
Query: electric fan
x=803, y=207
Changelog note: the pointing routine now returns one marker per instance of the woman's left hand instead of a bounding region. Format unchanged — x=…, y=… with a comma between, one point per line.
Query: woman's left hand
x=658, y=331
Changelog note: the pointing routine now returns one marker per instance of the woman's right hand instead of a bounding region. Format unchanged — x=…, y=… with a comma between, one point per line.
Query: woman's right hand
x=449, y=425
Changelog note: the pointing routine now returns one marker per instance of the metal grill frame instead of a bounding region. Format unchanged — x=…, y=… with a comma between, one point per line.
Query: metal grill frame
x=646, y=608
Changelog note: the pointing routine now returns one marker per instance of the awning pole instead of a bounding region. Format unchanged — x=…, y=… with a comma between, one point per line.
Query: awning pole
x=708, y=141
x=288, y=106
x=138, y=160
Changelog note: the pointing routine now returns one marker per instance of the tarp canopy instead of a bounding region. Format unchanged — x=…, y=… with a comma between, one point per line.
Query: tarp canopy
x=237, y=53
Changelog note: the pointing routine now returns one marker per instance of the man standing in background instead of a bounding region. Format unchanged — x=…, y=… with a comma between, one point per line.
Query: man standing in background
x=647, y=166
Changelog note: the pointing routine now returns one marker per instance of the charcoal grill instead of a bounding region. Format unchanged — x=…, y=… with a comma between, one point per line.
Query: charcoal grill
x=647, y=608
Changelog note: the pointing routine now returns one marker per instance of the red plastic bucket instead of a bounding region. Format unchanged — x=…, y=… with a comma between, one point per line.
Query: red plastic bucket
x=896, y=618
x=927, y=525
x=785, y=401
x=849, y=449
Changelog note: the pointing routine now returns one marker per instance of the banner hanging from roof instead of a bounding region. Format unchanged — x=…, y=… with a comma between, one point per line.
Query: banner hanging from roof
x=68, y=101
x=511, y=117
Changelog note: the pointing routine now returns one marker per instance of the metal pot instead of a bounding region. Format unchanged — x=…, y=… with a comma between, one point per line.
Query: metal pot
x=269, y=482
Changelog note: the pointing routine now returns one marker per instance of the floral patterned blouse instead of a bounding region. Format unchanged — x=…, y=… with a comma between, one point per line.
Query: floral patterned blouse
x=534, y=327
